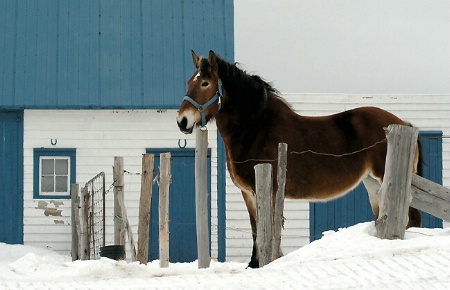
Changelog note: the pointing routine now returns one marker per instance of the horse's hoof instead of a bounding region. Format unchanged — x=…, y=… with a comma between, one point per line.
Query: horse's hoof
x=253, y=264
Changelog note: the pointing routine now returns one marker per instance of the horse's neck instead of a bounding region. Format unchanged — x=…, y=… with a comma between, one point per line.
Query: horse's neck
x=237, y=120
x=227, y=120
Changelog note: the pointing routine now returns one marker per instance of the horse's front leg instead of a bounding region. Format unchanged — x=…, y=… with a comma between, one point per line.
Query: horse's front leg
x=250, y=202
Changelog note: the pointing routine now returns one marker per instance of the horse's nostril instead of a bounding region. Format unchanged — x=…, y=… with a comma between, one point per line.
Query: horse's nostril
x=183, y=124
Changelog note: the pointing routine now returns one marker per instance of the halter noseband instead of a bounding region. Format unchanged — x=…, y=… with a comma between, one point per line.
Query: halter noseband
x=201, y=108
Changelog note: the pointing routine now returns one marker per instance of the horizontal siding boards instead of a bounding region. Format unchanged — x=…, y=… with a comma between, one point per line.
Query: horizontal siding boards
x=98, y=136
x=106, y=54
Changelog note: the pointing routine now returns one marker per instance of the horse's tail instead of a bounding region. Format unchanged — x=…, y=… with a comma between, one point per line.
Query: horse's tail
x=420, y=163
x=415, y=217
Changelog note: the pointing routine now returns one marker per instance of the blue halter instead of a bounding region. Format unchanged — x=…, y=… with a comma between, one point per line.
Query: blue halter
x=201, y=108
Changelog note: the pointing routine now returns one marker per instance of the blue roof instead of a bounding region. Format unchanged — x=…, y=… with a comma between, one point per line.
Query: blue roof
x=106, y=54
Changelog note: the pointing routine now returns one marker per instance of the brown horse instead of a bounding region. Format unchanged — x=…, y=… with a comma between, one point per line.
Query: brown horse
x=328, y=156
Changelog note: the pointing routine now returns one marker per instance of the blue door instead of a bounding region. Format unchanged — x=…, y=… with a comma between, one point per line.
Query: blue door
x=11, y=177
x=355, y=208
x=431, y=142
x=182, y=222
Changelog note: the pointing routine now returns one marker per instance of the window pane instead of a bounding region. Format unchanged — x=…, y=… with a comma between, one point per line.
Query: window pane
x=48, y=166
x=61, y=184
x=61, y=166
x=47, y=184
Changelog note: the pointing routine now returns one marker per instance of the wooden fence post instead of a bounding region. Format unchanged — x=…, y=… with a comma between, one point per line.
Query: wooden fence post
x=148, y=161
x=395, y=192
x=119, y=233
x=165, y=177
x=84, y=235
x=263, y=185
x=279, y=201
x=75, y=220
x=126, y=224
x=201, y=198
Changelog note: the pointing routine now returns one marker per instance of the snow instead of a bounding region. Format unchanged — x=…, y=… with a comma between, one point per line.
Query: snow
x=349, y=258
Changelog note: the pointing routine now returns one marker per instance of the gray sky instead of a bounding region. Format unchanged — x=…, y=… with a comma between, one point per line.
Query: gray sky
x=346, y=46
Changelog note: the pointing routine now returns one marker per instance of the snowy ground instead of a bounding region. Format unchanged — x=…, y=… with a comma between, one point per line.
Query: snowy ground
x=349, y=258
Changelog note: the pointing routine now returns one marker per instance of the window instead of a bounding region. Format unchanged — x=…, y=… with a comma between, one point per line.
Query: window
x=54, y=172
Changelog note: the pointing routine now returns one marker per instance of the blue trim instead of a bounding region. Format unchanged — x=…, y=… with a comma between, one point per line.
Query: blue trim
x=175, y=151
x=11, y=194
x=221, y=200
x=20, y=175
x=67, y=152
x=91, y=107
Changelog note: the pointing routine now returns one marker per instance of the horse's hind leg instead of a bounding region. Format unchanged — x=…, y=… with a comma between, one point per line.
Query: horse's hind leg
x=415, y=218
x=250, y=202
x=372, y=185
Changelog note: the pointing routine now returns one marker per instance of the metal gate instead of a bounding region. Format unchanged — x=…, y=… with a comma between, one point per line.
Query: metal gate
x=94, y=202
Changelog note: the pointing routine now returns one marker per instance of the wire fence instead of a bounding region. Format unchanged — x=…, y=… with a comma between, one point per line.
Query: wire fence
x=95, y=191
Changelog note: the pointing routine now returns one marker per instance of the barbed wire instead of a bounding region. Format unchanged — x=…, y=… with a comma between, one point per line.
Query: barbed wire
x=343, y=154
x=384, y=140
x=315, y=153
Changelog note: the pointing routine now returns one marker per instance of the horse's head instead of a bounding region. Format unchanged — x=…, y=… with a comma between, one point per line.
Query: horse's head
x=202, y=100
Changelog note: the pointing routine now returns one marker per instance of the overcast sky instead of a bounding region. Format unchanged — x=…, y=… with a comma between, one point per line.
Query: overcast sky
x=346, y=46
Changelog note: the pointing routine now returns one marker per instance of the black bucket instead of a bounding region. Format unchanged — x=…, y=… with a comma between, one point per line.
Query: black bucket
x=115, y=252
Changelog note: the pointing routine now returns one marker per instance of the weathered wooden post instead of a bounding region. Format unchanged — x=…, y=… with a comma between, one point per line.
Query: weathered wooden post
x=279, y=201
x=201, y=198
x=263, y=185
x=84, y=235
x=148, y=161
x=126, y=223
x=165, y=177
x=119, y=233
x=75, y=221
x=395, y=193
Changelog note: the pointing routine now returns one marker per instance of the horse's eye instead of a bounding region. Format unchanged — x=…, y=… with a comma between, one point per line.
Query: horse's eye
x=205, y=84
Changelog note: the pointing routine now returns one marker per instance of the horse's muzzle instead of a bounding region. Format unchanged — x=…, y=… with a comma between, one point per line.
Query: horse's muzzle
x=183, y=126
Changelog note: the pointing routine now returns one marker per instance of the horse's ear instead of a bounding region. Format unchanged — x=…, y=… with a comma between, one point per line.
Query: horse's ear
x=195, y=59
x=212, y=59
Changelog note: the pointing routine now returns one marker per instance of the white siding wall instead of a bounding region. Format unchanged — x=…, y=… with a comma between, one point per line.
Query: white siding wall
x=427, y=112
x=98, y=136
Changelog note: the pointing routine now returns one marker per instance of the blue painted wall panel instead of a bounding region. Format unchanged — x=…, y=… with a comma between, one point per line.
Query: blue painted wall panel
x=11, y=172
x=106, y=54
x=7, y=52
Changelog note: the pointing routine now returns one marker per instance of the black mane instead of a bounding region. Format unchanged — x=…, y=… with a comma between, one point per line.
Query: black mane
x=245, y=92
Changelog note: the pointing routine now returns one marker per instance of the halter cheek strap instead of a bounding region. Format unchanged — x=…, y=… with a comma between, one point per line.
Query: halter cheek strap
x=201, y=108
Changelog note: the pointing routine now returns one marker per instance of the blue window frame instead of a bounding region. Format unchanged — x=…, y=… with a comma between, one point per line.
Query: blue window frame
x=54, y=170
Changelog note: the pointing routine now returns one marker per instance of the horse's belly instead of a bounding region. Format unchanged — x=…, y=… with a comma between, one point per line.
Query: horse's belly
x=325, y=188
